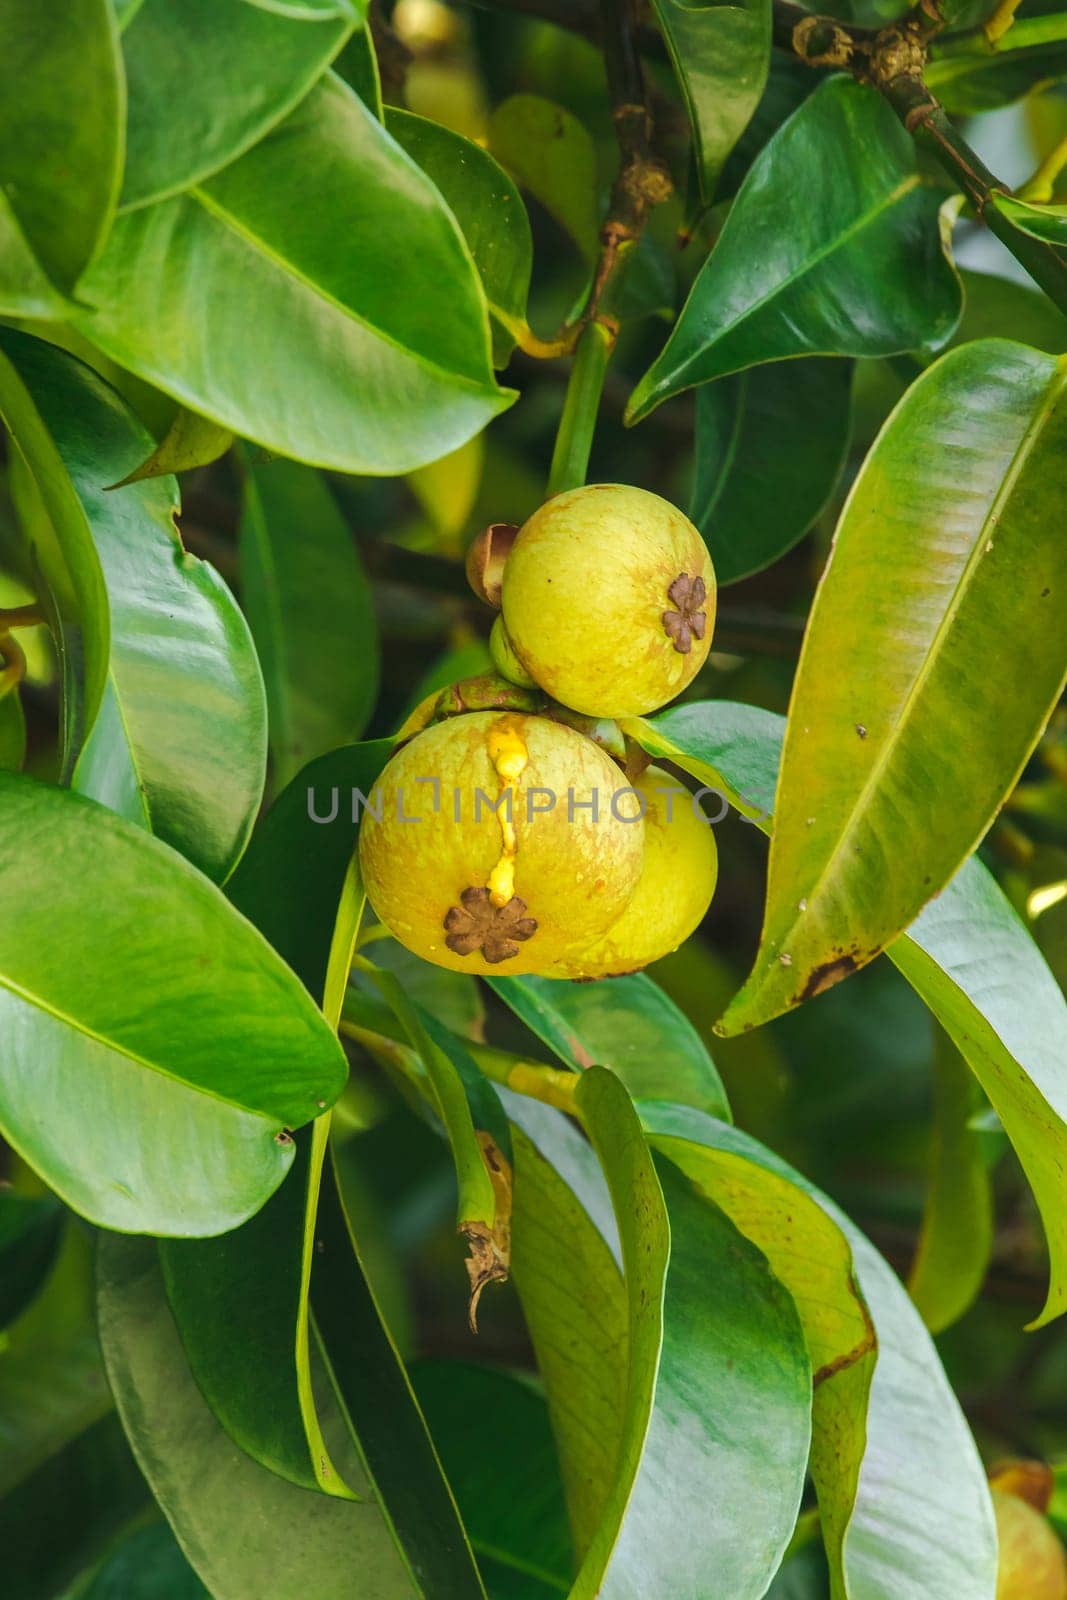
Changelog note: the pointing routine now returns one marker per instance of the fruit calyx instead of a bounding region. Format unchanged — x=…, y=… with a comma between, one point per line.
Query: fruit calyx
x=688, y=619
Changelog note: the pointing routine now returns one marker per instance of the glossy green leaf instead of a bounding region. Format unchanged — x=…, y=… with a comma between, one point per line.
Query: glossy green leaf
x=721, y=53
x=823, y=253
x=488, y=208
x=810, y=1255
x=56, y=555
x=67, y=1480
x=148, y=1565
x=179, y=745
x=240, y=1303
x=234, y=71
x=30, y=1226
x=944, y=551
x=922, y=1526
x=164, y=1117
x=291, y=878
x=357, y=64
x=12, y=732
x=713, y=1334
x=970, y=74
x=62, y=100
x=573, y=1300
x=629, y=1025
x=505, y=1473
x=957, y=1232
x=550, y=154
x=246, y=1532
x=469, y=1109
x=309, y=604
x=244, y=300
x=769, y=448
x=1047, y=222
x=310, y=10
x=189, y=442
x=249, y=1289
x=24, y=289
x=968, y=955
x=377, y=1400
x=1001, y=308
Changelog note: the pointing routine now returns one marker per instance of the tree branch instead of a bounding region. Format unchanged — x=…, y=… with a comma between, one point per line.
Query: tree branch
x=642, y=182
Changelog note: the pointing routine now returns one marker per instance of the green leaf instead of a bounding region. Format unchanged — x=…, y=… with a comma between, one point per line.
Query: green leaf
x=246, y=1532
x=62, y=100
x=148, y=1565
x=67, y=1480
x=832, y=247
x=240, y=1303
x=978, y=969
x=721, y=53
x=573, y=1300
x=926, y=585
x=249, y=1289
x=922, y=1524
x=475, y=1127
x=968, y=955
x=190, y=441
x=12, y=732
x=770, y=446
x=164, y=1118
x=1047, y=222
x=374, y=361
x=56, y=555
x=957, y=1232
x=969, y=74
x=489, y=210
x=1001, y=308
x=810, y=1255
x=713, y=1334
x=550, y=154
x=179, y=746
x=24, y=289
x=310, y=607
x=629, y=1025
x=492, y=1432
x=231, y=72
x=378, y=1402
x=357, y=64
x=30, y=1227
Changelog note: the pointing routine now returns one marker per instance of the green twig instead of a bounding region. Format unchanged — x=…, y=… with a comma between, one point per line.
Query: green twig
x=574, y=440
x=642, y=182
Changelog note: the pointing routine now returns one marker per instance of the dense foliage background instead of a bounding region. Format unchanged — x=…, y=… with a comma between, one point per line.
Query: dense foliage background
x=330, y=297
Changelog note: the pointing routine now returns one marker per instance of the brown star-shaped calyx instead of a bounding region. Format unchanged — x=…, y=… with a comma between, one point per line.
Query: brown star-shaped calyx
x=497, y=931
x=688, y=617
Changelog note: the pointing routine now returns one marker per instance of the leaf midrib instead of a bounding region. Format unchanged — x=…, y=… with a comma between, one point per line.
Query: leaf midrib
x=38, y=1003
x=931, y=656
x=898, y=192
x=228, y=220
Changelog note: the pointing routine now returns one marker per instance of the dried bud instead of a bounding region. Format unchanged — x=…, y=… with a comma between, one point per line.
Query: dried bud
x=486, y=558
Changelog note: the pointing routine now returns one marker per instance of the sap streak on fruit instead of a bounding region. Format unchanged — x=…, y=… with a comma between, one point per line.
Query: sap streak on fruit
x=608, y=600
x=514, y=856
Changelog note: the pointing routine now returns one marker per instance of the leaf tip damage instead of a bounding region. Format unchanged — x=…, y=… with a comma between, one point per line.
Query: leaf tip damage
x=489, y=1258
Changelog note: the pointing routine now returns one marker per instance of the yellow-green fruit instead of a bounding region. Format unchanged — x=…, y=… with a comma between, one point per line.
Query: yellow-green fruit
x=673, y=892
x=1032, y=1565
x=504, y=658
x=609, y=600
x=507, y=891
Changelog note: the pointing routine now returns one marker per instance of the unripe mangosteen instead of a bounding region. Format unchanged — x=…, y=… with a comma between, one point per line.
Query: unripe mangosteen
x=681, y=865
x=500, y=847
x=608, y=597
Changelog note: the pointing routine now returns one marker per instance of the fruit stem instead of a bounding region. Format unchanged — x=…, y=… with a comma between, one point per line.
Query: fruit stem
x=12, y=664
x=554, y=1086
x=574, y=441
